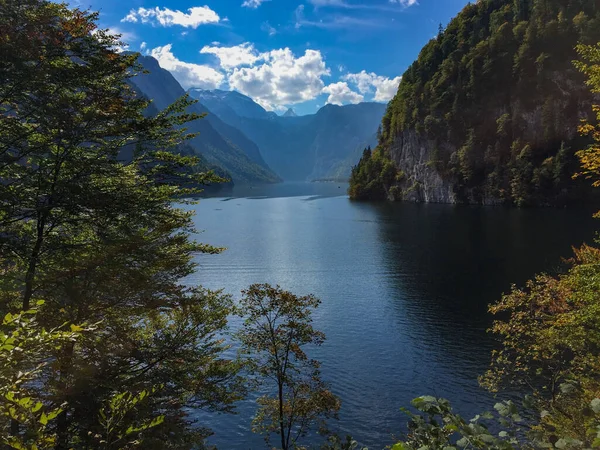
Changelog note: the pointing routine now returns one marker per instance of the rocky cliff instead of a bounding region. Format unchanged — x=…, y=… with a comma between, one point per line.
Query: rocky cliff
x=489, y=111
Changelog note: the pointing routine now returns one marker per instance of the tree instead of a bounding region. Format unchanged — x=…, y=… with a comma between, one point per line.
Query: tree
x=550, y=336
x=549, y=332
x=436, y=426
x=277, y=326
x=495, y=58
x=90, y=223
x=590, y=157
x=24, y=349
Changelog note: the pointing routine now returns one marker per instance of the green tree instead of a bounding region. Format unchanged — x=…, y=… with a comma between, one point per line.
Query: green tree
x=276, y=328
x=549, y=333
x=590, y=157
x=90, y=224
x=500, y=72
x=25, y=347
x=24, y=350
x=436, y=426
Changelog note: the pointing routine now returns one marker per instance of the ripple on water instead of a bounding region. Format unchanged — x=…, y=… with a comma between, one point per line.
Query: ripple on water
x=404, y=292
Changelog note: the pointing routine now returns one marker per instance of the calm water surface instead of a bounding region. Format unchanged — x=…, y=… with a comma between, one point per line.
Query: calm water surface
x=404, y=290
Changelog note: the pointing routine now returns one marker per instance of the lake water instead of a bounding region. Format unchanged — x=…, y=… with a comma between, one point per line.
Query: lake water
x=404, y=290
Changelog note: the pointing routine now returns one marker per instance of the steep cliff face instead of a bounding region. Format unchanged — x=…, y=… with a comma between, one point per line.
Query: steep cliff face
x=489, y=111
x=420, y=182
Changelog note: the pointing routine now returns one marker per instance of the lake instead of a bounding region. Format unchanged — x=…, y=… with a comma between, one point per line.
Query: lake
x=404, y=290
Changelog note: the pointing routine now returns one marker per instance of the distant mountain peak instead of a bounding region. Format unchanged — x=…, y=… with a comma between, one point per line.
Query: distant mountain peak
x=290, y=113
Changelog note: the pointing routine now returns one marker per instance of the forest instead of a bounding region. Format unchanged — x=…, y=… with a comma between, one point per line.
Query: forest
x=496, y=101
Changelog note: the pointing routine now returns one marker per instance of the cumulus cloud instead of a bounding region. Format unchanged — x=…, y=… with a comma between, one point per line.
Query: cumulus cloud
x=253, y=3
x=196, y=16
x=230, y=57
x=188, y=74
x=282, y=78
x=340, y=94
x=385, y=88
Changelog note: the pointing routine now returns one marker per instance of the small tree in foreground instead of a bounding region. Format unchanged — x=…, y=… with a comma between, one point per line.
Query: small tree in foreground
x=589, y=65
x=277, y=326
x=435, y=426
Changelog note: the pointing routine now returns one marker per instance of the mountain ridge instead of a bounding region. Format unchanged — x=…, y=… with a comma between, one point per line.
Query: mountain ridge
x=218, y=142
x=325, y=144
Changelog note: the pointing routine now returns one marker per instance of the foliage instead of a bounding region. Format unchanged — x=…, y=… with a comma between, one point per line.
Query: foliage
x=439, y=427
x=495, y=95
x=24, y=347
x=550, y=335
x=119, y=433
x=277, y=326
x=550, y=332
x=89, y=223
x=24, y=350
x=371, y=176
x=590, y=157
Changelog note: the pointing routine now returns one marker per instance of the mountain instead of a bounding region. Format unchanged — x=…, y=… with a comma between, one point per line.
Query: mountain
x=219, y=143
x=290, y=113
x=298, y=148
x=489, y=112
x=232, y=101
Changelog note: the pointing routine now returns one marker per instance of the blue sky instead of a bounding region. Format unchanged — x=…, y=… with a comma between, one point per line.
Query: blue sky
x=282, y=53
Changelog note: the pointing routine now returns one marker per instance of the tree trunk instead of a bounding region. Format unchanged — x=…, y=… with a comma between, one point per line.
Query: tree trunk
x=33, y=261
x=62, y=423
x=284, y=445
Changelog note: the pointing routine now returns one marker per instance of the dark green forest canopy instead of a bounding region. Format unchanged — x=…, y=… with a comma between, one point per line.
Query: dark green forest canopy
x=497, y=100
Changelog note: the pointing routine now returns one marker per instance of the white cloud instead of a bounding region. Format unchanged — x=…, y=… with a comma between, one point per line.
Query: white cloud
x=405, y=3
x=266, y=27
x=334, y=22
x=385, y=88
x=282, y=79
x=230, y=57
x=188, y=74
x=196, y=16
x=337, y=4
x=142, y=46
x=340, y=94
x=253, y=3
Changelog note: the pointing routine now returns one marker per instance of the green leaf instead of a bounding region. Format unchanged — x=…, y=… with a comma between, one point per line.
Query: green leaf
x=462, y=442
x=567, y=388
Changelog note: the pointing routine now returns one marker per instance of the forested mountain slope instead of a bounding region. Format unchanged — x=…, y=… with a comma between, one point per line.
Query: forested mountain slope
x=316, y=146
x=489, y=111
x=219, y=143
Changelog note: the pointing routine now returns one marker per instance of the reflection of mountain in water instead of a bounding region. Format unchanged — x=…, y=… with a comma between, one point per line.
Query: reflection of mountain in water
x=448, y=263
